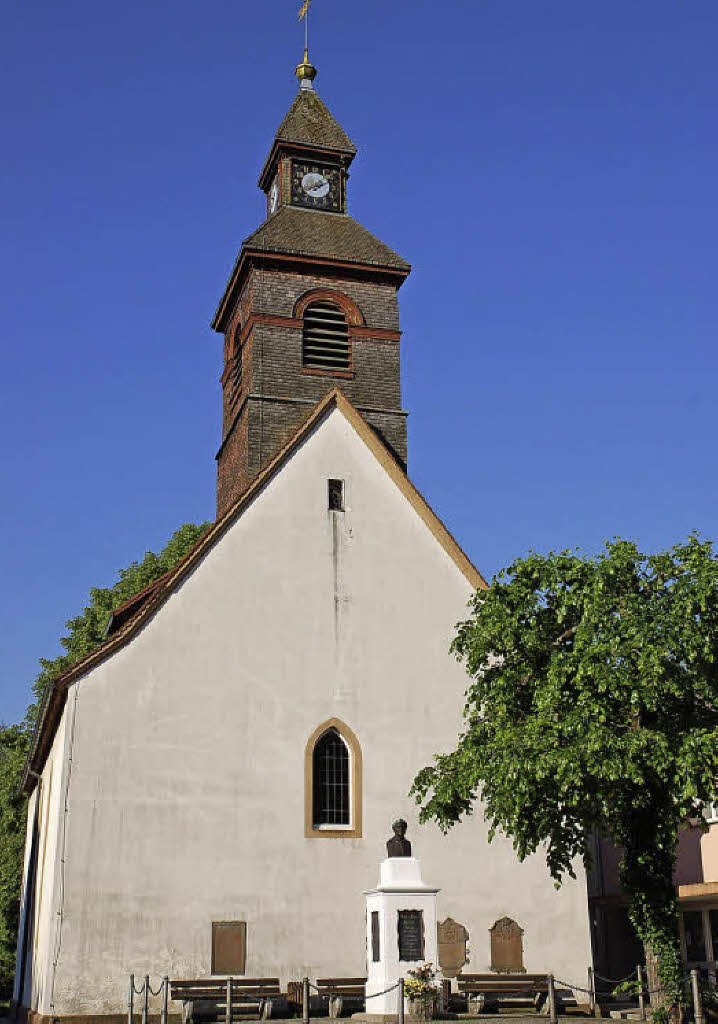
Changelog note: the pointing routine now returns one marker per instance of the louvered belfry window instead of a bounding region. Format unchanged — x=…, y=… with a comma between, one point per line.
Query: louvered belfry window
x=331, y=781
x=325, y=338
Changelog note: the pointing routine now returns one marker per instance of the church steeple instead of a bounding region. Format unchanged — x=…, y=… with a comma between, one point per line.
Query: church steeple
x=309, y=160
x=311, y=302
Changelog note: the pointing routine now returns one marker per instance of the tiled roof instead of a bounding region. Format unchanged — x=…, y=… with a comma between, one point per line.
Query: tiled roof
x=294, y=231
x=309, y=123
x=125, y=611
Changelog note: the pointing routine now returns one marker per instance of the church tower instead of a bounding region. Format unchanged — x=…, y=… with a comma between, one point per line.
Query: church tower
x=310, y=305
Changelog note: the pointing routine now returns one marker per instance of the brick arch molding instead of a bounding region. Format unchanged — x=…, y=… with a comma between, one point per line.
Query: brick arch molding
x=350, y=309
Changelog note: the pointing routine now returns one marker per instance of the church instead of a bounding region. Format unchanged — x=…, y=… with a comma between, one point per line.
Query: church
x=211, y=790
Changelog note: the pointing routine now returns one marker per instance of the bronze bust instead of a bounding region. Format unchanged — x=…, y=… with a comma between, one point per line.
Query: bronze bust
x=398, y=845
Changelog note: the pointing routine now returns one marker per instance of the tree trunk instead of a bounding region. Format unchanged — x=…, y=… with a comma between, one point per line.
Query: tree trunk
x=653, y=980
x=647, y=877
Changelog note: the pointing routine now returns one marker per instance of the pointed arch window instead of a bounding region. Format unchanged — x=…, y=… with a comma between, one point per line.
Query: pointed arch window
x=333, y=781
x=330, y=781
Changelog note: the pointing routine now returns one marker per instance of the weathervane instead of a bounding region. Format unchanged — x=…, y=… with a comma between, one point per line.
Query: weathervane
x=306, y=72
x=304, y=16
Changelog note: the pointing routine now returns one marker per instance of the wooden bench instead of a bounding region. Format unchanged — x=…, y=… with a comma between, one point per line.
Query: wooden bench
x=221, y=998
x=338, y=989
x=502, y=986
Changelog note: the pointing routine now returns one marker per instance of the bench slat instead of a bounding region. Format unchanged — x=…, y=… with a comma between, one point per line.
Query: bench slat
x=501, y=977
x=239, y=979
x=215, y=993
x=210, y=993
x=341, y=981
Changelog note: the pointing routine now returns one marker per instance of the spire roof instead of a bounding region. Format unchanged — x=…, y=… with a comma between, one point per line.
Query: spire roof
x=309, y=123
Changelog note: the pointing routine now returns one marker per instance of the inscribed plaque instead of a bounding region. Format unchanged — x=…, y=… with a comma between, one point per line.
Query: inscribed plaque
x=507, y=949
x=452, y=938
x=375, y=950
x=411, y=935
x=229, y=947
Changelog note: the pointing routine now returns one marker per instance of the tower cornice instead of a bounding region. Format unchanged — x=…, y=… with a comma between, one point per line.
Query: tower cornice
x=281, y=148
x=296, y=239
x=296, y=264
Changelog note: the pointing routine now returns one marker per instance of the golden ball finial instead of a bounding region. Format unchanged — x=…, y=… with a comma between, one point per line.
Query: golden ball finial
x=306, y=71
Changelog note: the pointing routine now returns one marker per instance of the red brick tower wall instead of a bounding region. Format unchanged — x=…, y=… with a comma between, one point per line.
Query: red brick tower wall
x=264, y=405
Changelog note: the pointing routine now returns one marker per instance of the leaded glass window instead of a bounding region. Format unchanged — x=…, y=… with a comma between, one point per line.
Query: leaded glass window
x=330, y=769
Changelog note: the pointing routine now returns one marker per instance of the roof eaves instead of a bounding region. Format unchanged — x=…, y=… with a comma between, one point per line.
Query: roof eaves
x=218, y=321
x=294, y=146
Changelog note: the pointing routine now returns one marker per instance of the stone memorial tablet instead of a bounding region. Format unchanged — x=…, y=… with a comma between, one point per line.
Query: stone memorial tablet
x=452, y=938
x=411, y=935
x=507, y=948
x=375, y=948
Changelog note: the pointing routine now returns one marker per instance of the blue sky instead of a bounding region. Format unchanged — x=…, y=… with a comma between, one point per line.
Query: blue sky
x=549, y=168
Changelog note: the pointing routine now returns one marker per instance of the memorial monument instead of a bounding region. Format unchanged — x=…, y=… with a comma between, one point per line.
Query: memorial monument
x=401, y=926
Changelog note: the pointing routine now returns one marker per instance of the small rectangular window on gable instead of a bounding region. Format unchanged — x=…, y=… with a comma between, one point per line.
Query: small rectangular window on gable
x=229, y=947
x=336, y=495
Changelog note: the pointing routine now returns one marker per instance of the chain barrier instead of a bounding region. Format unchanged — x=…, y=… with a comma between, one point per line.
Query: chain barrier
x=141, y=989
x=329, y=990
x=614, y=981
x=372, y=996
x=146, y=990
x=645, y=991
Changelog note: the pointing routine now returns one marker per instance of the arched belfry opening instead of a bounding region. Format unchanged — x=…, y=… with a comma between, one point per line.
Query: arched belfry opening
x=325, y=338
x=333, y=782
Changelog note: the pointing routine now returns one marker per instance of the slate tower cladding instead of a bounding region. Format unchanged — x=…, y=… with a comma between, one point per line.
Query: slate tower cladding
x=311, y=303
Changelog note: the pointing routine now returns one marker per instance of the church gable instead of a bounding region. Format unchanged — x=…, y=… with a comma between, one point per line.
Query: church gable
x=402, y=509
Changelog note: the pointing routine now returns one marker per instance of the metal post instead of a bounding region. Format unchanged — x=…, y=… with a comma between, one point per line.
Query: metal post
x=146, y=1003
x=591, y=992
x=165, y=997
x=697, y=1005
x=641, y=996
x=552, y=1000
x=228, y=1005
x=131, y=1000
x=400, y=1008
x=305, y=1000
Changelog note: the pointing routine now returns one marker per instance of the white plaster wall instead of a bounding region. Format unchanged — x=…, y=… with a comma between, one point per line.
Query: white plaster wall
x=48, y=797
x=187, y=793
x=23, y=997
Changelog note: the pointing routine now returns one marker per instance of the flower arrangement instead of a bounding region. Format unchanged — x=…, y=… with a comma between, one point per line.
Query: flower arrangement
x=420, y=984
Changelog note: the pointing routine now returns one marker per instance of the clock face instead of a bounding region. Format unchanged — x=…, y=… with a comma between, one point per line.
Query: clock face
x=314, y=186
x=274, y=196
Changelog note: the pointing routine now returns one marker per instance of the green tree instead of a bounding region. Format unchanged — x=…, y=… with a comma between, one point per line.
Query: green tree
x=593, y=705
x=85, y=632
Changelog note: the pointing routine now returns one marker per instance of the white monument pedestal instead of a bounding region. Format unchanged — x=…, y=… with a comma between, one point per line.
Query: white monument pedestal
x=401, y=932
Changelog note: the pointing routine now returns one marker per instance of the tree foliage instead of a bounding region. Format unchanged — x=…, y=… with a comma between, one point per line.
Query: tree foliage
x=85, y=632
x=593, y=705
